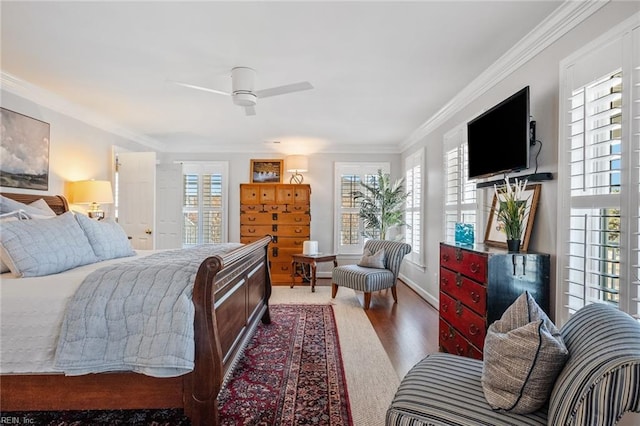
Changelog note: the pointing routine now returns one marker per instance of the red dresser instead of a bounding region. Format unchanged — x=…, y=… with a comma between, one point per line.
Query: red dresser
x=477, y=284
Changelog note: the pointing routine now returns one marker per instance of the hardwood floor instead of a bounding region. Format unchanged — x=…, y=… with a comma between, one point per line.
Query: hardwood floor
x=408, y=329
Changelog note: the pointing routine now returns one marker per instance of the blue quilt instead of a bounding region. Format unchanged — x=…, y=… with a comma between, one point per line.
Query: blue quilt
x=135, y=316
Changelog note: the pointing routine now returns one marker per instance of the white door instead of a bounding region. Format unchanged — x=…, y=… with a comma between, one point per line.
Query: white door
x=169, y=206
x=137, y=197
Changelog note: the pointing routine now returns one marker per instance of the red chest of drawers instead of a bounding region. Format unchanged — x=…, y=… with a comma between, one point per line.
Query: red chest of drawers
x=477, y=285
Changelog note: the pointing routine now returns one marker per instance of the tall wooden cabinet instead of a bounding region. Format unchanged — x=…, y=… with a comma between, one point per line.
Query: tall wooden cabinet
x=477, y=284
x=282, y=211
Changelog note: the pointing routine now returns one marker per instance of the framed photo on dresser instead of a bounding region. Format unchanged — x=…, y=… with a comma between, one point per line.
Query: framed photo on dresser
x=266, y=171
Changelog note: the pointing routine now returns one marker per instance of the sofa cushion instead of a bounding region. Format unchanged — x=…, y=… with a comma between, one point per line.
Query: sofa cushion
x=523, y=354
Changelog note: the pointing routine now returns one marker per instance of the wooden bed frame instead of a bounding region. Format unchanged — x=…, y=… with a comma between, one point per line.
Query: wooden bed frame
x=231, y=294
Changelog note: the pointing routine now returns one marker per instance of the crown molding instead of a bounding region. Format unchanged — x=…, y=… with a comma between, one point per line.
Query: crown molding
x=562, y=20
x=47, y=99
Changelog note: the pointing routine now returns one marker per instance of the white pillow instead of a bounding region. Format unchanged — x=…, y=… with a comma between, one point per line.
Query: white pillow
x=107, y=238
x=7, y=205
x=37, y=247
x=4, y=217
x=41, y=204
x=372, y=260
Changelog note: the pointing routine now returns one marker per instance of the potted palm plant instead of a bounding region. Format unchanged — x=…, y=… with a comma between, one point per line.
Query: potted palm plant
x=382, y=205
x=511, y=210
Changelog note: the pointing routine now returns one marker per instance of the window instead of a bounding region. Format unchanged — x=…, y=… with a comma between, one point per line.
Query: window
x=460, y=204
x=599, y=244
x=413, y=211
x=347, y=180
x=204, y=199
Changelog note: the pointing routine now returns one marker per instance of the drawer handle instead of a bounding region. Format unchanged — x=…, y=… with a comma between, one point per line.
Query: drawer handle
x=274, y=207
x=459, y=349
x=298, y=231
x=444, y=281
x=458, y=280
x=473, y=329
x=475, y=268
x=297, y=243
x=445, y=307
x=458, y=254
x=251, y=231
x=459, y=308
x=475, y=297
x=298, y=219
x=445, y=257
x=251, y=219
x=452, y=333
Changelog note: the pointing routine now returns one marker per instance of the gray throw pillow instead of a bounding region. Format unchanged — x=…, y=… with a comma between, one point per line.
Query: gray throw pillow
x=32, y=248
x=523, y=355
x=370, y=260
x=108, y=239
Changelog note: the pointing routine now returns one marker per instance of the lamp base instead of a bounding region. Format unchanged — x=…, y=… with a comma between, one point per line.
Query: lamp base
x=296, y=178
x=96, y=214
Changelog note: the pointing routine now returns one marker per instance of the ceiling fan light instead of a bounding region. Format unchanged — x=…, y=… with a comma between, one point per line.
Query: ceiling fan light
x=244, y=99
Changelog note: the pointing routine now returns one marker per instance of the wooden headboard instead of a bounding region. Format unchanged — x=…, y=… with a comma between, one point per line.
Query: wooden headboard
x=57, y=202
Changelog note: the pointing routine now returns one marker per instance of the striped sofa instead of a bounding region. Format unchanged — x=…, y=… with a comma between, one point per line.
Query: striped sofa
x=371, y=279
x=598, y=384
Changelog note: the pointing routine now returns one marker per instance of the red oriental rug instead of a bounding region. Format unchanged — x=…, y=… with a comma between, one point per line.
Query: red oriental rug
x=290, y=373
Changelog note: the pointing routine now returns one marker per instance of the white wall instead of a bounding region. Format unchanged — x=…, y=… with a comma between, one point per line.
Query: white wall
x=541, y=73
x=77, y=151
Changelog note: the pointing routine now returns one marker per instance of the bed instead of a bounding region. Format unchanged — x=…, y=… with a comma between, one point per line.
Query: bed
x=230, y=295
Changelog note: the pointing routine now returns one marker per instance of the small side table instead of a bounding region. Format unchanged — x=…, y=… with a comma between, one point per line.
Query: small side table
x=312, y=260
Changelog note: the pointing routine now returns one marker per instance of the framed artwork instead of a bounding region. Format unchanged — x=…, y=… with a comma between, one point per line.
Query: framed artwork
x=24, y=144
x=266, y=171
x=495, y=235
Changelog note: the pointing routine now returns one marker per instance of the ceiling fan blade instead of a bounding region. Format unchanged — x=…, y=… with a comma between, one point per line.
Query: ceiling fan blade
x=281, y=90
x=250, y=110
x=205, y=89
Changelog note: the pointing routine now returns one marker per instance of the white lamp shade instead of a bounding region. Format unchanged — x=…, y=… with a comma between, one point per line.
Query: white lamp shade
x=91, y=191
x=297, y=163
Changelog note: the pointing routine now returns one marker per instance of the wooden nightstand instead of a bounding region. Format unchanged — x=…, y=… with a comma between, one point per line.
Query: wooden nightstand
x=312, y=260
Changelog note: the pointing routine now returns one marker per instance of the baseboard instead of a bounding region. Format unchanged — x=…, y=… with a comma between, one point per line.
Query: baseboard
x=433, y=301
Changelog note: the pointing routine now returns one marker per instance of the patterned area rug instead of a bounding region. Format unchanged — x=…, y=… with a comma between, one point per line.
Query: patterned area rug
x=290, y=373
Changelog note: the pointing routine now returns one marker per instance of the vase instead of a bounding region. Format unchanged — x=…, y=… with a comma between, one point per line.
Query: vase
x=513, y=245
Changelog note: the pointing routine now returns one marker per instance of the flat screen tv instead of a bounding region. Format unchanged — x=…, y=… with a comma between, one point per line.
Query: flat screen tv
x=498, y=139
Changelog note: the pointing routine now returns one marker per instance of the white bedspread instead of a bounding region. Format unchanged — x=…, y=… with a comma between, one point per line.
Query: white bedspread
x=31, y=312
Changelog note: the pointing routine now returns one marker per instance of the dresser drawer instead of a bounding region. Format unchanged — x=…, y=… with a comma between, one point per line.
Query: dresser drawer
x=470, y=325
x=294, y=218
x=300, y=231
x=452, y=342
x=296, y=243
x=256, y=230
x=298, y=208
x=275, y=208
x=473, y=265
x=250, y=208
x=258, y=218
x=459, y=287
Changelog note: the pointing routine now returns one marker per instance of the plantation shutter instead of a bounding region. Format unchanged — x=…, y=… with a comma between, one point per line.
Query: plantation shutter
x=595, y=178
x=204, y=202
x=599, y=185
x=460, y=192
x=413, y=210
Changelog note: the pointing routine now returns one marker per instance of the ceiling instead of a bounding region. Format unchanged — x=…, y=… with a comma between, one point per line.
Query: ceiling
x=379, y=69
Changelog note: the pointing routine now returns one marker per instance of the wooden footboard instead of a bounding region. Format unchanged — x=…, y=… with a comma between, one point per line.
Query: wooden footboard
x=231, y=294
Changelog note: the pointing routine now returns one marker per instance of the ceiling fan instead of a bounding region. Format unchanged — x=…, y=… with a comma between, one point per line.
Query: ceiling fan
x=243, y=90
